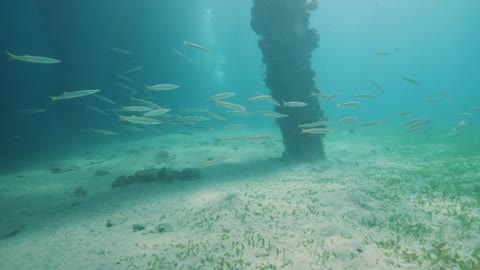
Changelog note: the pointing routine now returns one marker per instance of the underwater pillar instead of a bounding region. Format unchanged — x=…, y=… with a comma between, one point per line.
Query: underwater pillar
x=286, y=42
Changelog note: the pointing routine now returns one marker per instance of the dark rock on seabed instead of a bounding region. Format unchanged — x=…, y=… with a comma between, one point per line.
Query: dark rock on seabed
x=157, y=175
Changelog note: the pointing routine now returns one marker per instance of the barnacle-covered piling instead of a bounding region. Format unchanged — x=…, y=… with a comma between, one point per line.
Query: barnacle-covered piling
x=287, y=42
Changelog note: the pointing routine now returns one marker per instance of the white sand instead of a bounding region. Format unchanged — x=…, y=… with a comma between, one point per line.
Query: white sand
x=359, y=210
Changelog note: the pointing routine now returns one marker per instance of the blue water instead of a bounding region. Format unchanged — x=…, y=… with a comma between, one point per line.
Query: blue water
x=437, y=46
x=433, y=42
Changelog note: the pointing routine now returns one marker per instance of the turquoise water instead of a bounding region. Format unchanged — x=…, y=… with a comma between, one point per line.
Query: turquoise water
x=432, y=42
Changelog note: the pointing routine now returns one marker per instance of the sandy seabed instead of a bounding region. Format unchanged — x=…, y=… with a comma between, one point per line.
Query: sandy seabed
x=377, y=203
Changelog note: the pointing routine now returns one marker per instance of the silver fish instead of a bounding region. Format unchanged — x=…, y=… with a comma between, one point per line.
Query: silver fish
x=258, y=137
x=275, y=114
x=223, y=95
x=414, y=121
x=119, y=50
x=329, y=97
x=404, y=113
x=75, y=94
x=31, y=111
x=162, y=87
x=347, y=120
x=229, y=105
x=364, y=96
x=315, y=131
x=216, y=116
x=123, y=77
x=313, y=124
x=145, y=103
x=132, y=70
x=212, y=162
x=97, y=110
x=182, y=55
x=103, y=132
x=106, y=99
x=294, y=104
x=235, y=126
x=140, y=120
x=348, y=104
x=33, y=59
x=242, y=113
x=156, y=112
x=412, y=81
x=378, y=86
x=137, y=108
x=196, y=46
x=193, y=118
x=372, y=123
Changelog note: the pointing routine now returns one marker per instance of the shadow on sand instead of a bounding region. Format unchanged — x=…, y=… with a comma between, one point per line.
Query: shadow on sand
x=38, y=210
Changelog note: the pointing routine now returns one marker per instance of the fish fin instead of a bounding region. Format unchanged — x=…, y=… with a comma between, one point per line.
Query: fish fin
x=185, y=42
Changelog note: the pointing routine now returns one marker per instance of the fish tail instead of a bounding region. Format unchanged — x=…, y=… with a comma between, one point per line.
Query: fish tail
x=284, y=103
x=121, y=117
x=53, y=99
x=10, y=56
x=304, y=131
